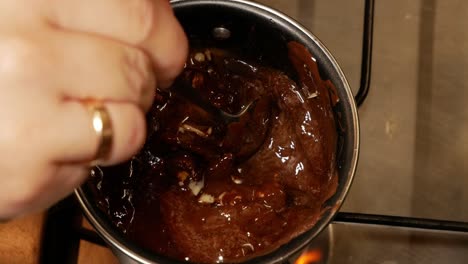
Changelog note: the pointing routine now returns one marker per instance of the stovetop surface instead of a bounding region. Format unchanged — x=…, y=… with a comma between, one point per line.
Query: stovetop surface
x=414, y=123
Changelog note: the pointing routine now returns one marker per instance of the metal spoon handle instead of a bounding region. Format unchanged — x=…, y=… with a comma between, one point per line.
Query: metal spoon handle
x=186, y=91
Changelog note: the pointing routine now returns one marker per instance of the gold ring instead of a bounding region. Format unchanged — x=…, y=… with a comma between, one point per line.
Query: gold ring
x=102, y=125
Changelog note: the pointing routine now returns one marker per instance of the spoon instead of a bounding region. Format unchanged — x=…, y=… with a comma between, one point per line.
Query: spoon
x=183, y=89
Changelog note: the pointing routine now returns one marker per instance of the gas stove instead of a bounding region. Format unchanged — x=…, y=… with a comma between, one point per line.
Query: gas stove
x=407, y=202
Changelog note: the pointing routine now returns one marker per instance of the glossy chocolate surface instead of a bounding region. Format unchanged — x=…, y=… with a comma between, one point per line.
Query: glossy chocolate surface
x=205, y=191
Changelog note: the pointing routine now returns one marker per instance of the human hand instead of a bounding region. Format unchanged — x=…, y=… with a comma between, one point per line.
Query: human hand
x=54, y=55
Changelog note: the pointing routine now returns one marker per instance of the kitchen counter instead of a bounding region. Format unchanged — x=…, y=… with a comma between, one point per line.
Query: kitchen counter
x=20, y=242
x=20, y=239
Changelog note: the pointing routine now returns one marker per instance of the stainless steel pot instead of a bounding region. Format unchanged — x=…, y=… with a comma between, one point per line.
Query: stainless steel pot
x=230, y=23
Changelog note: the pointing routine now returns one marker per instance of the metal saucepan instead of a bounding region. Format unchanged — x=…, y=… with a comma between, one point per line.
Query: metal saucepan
x=230, y=22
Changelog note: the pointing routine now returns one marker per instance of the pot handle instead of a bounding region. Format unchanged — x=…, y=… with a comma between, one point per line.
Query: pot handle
x=367, y=41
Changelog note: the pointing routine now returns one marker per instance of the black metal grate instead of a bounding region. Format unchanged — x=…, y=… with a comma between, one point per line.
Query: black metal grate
x=63, y=231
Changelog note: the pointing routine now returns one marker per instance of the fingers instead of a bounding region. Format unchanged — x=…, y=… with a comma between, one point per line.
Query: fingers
x=149, y=24
x=77, y=142
x=21, y=196
x=87, y=49
x=98, y=68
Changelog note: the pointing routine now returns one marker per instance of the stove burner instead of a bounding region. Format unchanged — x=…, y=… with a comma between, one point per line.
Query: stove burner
x=318, y=251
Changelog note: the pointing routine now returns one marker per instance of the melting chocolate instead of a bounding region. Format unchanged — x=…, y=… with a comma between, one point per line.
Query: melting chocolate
x=208, y=192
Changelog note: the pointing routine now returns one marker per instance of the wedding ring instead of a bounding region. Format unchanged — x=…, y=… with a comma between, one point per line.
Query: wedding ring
x=102, y=125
